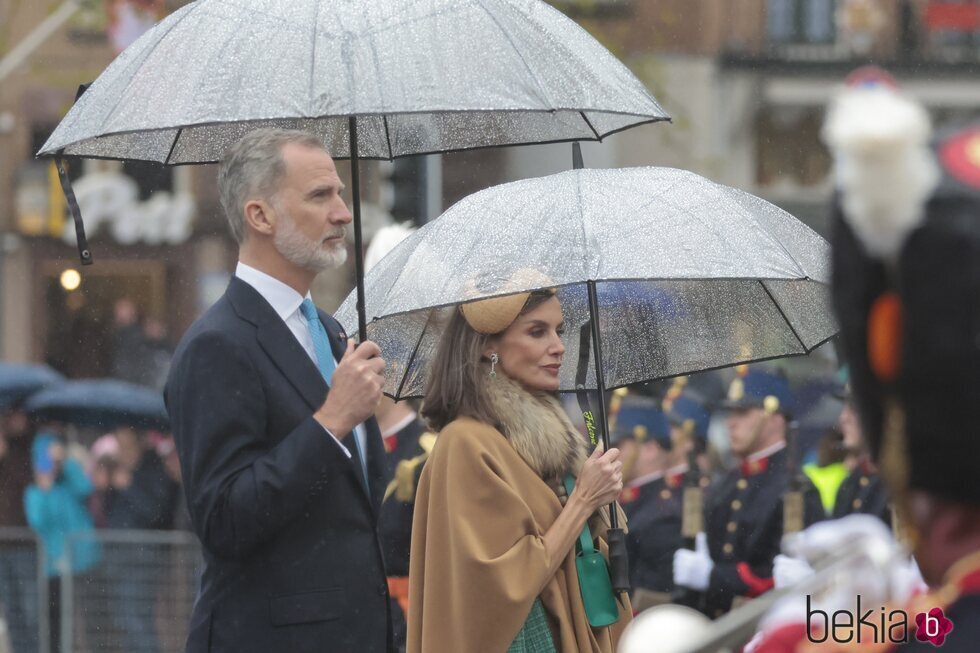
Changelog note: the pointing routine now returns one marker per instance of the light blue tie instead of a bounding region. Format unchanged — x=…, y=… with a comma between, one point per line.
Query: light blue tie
x=325, y=361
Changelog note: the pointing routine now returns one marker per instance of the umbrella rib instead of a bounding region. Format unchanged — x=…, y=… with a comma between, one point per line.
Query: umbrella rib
x=316, y=21
x=146, y=56
x=384, y=119
x=785, y=319
x=173, y=146
x=530, y=71
x=587, y=234
x=415, y=351
x=589, y=123
x=770, y=236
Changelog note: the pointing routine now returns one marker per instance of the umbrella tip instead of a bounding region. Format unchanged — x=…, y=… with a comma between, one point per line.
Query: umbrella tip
x=577, y=162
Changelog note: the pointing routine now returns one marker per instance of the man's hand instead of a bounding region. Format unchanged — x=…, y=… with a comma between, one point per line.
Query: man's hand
x=693, y=568
x=355, y=390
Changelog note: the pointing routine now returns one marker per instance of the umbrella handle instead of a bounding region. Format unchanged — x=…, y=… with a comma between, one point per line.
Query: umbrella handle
x=619, y=572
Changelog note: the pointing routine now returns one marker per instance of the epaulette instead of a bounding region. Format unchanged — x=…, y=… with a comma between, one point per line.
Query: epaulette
x=403, y=485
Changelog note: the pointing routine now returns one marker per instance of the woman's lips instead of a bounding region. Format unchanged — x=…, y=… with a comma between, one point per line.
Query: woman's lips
x=553, y=369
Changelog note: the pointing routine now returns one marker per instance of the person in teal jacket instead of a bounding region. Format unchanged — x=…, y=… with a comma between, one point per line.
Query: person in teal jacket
x=55, y=506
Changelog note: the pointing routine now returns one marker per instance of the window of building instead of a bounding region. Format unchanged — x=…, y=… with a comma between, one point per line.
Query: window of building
x=800, y=21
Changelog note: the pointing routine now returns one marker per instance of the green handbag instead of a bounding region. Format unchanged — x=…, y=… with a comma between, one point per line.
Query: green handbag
x=593, y=577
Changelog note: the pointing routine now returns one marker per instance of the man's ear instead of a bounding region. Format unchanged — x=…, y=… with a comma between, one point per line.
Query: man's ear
x=260, y=216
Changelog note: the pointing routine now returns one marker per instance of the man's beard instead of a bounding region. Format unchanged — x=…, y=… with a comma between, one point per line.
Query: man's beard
x=303, y=252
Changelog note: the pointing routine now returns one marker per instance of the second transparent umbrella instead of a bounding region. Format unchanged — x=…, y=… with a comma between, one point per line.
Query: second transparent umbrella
x=688, y=275
x=661, y=272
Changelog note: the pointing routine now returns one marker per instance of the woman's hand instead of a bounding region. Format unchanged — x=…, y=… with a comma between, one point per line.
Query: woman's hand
x=601, y=479
x=598, y=484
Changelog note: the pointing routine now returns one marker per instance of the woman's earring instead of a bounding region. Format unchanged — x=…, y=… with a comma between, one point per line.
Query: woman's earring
x=493, y=365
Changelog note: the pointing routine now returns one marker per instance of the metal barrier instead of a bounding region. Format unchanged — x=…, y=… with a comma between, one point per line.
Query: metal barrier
x=137, y=598
x=23, y=591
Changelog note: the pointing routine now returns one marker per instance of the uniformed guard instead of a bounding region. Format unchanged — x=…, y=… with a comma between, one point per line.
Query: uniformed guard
x=744, y=515
x=863, y=490
x=689, y=419
x=907, y=293
x=407, y=446
x=651, y=500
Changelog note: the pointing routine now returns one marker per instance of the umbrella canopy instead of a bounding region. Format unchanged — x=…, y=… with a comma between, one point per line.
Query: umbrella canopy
x=421, y=76
x=100, y=403
x=689, y=274
x=19, y=380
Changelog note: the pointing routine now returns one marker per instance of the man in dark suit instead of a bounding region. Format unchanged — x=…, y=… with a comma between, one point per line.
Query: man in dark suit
x=271, y=412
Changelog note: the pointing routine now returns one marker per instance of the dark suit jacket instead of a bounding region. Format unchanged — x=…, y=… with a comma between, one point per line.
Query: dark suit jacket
x=291, y=551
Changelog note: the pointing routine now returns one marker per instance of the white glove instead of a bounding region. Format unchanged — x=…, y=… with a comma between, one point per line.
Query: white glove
x=789, y=571
x=693, y=568
x=907, y=582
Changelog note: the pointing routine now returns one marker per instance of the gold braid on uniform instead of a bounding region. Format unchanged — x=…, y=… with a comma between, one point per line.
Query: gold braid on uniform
x=403, y=485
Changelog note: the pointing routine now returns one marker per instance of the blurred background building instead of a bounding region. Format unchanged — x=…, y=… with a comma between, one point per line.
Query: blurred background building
x=746, y=82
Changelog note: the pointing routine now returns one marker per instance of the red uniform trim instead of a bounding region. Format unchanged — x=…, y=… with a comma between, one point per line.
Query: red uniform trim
x=756, y=585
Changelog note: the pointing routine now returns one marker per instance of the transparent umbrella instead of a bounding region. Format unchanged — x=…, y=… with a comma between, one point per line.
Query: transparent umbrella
x=688, y=275
x=373, y=79
x=661, y=272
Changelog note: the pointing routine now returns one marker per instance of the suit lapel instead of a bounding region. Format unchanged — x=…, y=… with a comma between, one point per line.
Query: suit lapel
x=279, y=342
x=292, y=360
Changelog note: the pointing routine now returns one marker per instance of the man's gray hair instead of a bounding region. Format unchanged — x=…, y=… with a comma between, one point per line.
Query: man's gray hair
x=253, y=167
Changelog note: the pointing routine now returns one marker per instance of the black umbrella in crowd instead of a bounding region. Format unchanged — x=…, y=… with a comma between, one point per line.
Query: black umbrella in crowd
x=99, y=403
x=20, y=380
x=375, y=80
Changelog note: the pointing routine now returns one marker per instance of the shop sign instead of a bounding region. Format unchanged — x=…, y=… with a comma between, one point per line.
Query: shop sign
x=110, y=200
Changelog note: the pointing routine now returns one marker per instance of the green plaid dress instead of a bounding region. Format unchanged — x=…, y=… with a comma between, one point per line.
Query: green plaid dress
x=535, y=635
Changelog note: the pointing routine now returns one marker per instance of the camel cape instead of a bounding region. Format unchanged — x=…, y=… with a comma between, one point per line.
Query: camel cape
x=478, y=559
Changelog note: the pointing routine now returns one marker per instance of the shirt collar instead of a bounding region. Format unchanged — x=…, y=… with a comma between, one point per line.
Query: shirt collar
x=283, y=299
x=759, y=461
x=398, y=426
x=645, y=479
x=675, y=475
x=768, y=451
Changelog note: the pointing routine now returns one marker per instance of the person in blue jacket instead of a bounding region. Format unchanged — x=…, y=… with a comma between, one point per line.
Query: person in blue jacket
x=55, y=508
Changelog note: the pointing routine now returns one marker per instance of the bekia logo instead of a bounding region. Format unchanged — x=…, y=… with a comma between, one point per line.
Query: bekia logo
x=875, y=625
x=932, y=627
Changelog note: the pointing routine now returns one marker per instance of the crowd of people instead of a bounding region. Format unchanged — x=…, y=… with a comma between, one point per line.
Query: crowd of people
x=65, y=493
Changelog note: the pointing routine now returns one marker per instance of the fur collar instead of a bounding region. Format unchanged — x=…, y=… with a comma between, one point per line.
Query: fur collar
x=537, y=427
